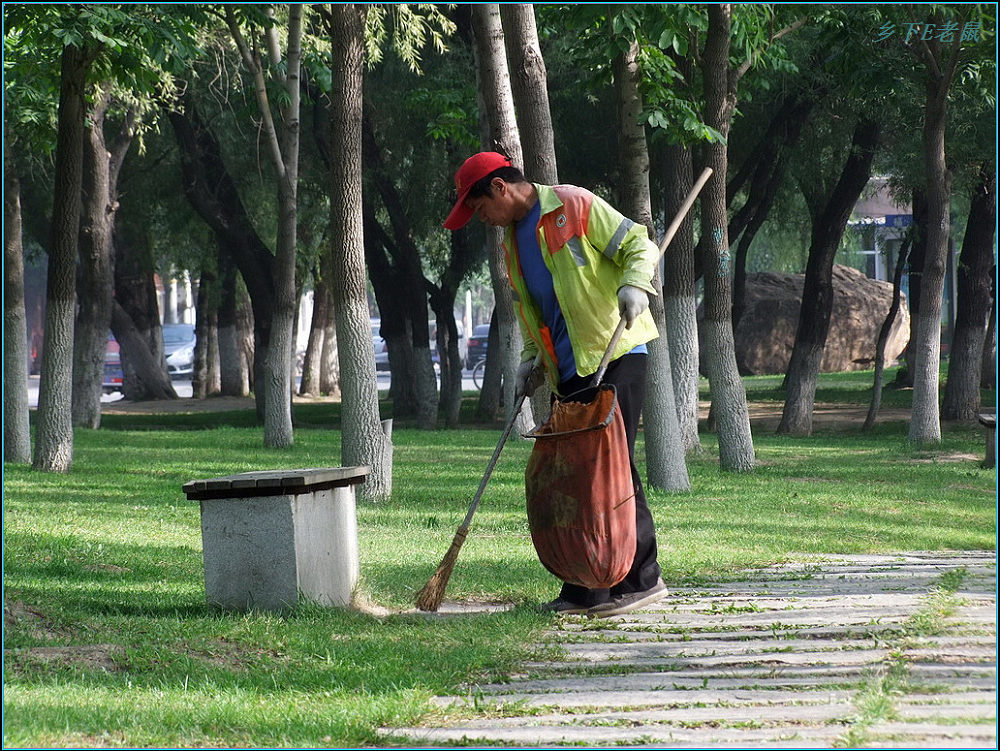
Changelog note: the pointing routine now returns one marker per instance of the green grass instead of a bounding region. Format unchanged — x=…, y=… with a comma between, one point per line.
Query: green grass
x=110, y=641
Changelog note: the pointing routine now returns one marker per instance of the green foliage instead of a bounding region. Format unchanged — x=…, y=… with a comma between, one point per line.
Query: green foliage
x=412, y=28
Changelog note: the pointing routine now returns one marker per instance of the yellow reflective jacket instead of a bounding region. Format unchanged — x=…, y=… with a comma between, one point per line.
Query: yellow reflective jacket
x=591, y=250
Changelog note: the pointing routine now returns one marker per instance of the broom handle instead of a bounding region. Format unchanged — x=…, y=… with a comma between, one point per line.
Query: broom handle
x=684, y=209
x=599, y=375
x=496, y=455
x=667, y=237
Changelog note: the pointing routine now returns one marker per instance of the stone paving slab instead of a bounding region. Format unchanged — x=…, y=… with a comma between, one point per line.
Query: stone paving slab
x=784, y=658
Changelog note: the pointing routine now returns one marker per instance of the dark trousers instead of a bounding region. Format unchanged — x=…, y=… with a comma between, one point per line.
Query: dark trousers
x=628, y=374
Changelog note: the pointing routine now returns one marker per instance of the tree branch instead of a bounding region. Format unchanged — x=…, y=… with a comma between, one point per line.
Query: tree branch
x=260, y=87
x=745, y=65
x=271, y=38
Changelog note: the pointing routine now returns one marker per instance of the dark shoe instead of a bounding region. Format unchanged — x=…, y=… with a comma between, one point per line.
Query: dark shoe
x=563, y=607
x=628, y=602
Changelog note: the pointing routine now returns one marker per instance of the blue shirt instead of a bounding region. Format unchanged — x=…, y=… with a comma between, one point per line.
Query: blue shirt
x=538, y=279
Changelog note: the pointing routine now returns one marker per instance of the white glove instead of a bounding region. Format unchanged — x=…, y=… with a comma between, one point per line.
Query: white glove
x=528, y=379
x=632, y=301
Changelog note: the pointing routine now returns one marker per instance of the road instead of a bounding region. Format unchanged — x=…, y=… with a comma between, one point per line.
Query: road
x=183, y=387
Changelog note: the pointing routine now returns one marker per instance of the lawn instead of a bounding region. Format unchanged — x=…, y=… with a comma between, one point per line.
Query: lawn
x=108, y=641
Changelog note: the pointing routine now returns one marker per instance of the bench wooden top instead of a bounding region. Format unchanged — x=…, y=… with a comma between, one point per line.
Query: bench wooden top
x=274, y=482
x=988, y=419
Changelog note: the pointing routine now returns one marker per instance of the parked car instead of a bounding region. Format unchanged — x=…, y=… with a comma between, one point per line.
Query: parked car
x=178, y=346
x=477, y=345
x=114, y=376
x=378, y=344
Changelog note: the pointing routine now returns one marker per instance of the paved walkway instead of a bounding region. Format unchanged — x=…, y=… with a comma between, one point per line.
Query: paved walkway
x=882, y=651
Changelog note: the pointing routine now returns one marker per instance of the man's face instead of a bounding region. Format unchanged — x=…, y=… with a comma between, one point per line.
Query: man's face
x=496, y=209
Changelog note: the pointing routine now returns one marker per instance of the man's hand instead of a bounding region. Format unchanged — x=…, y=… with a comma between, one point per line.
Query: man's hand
x=528, y=379
x=632, y=301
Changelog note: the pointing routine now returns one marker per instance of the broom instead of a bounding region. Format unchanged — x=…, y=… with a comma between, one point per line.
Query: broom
x=429, y=598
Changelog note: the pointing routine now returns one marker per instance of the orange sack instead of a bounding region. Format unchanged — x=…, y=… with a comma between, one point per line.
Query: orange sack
x=578, y=482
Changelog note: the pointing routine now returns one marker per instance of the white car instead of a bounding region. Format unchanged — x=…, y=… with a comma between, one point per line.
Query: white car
x=178, y=346
x=378, y=344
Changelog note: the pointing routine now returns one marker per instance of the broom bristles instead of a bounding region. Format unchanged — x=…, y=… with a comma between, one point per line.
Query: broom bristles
x=429, y=598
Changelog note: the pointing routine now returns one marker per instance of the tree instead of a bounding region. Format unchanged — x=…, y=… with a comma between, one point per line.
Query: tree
x=728, y=395
x=679, y=302
x=500, y=132
x=54, y=437
x=364, y=441
x=940, y=61
x=961, y=393
x=16, y=430
x=102, y=164
x=829, y=218
x=403, y=281
x=665, y=465
x=213, y=193
x=529, y=88
x=282, y=141
x=883, y=335
x=763, y=172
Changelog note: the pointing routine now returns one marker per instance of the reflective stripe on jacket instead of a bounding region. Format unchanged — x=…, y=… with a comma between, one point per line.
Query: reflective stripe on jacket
x=591, y=250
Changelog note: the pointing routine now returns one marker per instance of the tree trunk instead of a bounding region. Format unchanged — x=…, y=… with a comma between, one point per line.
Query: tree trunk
x=918, y=252
x=989, y=368
x=442, y=301
x=96, y=271
x=770, y=161
x=282, y=139
x=679, y=301
x=314, y=347
x=135, y=293
x=206, y=380
x=234, y=377
x=499, y=129
x=883, y=335
x=329, y=369
x=410, y=287
x=529, y=88
x=145, y=378
x=396, y=326
x=736, y=452
x=961, y=392
x=665, y=467
x=16, y=429
x=925, y=418
x=54, y=436
x=365, y=441
x=212, y=193
x=817, y=292
x=490, y=405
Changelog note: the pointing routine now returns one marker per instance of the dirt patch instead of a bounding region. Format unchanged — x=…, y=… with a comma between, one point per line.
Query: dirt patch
x=32, y=623
x=107, y=567
x=763, y=415
x=948, y=458
x=178, y=406
x=86, y=657
x=18, y=615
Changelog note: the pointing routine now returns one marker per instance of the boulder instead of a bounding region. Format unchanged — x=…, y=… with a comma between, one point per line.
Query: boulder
x=766, y=333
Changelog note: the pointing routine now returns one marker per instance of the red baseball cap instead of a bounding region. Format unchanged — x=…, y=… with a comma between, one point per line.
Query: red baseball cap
x=476, y=167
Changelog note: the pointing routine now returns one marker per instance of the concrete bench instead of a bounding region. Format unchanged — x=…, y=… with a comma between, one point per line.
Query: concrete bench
x=989, y=421
x=273, y=538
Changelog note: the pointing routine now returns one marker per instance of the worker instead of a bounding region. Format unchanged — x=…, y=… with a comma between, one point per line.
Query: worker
x=577, y=266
